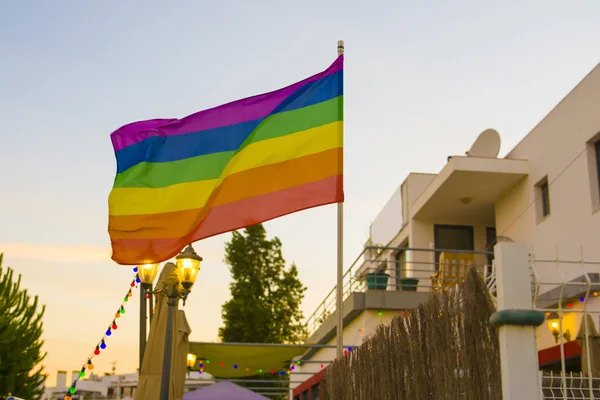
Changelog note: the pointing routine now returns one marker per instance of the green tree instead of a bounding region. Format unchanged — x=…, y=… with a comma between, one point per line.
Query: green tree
x=20, y=343
x=265, y=295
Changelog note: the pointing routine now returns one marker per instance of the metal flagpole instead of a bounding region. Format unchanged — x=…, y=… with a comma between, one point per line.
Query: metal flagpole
x=340, y=260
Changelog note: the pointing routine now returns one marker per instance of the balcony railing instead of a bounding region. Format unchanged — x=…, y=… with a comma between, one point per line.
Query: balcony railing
x=416, y=269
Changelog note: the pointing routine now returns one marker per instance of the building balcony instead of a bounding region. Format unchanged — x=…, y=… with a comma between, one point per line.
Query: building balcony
x=468, y=187
x=382, y=281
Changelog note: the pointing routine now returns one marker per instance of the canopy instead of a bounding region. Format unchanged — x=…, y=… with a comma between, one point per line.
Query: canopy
x=238, y=360
x=223, y=390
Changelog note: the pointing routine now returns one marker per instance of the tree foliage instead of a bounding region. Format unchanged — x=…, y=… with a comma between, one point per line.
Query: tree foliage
x=265, y=295
x=20, y=339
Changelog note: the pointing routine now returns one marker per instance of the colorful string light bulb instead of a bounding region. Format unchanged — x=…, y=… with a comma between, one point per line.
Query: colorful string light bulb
x=135, y=269
x=89, y=366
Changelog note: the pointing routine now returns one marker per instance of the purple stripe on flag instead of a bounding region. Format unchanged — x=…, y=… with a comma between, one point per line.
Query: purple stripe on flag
x=235, y=112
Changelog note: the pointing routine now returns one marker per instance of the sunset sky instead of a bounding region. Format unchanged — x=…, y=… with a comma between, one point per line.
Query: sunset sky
x=422, y=80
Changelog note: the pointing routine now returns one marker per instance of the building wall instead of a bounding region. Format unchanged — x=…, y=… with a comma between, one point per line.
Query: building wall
x=558, y=147
x=354, y=334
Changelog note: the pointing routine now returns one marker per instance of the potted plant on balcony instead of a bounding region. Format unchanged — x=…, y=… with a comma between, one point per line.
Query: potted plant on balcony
x=409, y=284
x=377, y=280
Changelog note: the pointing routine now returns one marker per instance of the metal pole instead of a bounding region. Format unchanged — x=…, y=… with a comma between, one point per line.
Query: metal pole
x=340, y=261
x=166, y=368
x=143, y=326
x=150, y=302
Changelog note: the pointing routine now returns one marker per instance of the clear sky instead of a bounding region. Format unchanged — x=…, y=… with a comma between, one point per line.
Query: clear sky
x=422, y=80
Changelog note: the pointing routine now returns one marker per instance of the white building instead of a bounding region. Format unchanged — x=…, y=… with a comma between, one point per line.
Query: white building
x=113, y=387
x=545, y=192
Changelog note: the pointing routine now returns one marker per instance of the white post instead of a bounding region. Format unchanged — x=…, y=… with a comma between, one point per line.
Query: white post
x=517, y=322
x=340, y=261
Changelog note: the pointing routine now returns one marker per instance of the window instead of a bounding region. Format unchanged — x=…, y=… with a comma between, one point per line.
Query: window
x=490, y=242
x=597, y=150
x=305, y=395
x=543, y=199
x=400, y=265
x=452, y=237
x=314, y=392
x=593, y=165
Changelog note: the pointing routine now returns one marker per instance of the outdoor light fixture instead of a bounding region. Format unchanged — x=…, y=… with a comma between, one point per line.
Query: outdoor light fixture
x=147, y=273
x=191, y=360
x=554, y=326
x=188, y=265
x=177, y=286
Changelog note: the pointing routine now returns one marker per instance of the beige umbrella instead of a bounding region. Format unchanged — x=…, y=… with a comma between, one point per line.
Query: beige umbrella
x=150, y=374
x=594, y=346
x=182, y=348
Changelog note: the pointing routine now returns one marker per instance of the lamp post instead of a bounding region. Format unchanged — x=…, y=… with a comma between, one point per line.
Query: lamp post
x=188, y=265
x=147, y=274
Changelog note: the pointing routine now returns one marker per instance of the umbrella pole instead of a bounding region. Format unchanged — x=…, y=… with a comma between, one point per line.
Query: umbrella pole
x=166, y=369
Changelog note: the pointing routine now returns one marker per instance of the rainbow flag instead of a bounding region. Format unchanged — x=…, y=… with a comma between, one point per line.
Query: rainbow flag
x=226, y=168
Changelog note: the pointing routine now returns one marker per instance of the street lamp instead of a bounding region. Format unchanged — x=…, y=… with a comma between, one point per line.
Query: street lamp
x=188, y=265
x=190, y=361
x=178, y=287
x=147, y=274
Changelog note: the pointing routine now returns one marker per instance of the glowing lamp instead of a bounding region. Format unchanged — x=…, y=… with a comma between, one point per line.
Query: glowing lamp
x=554, y=326
x=191, y=360
x=147, y=273
x=188, y=265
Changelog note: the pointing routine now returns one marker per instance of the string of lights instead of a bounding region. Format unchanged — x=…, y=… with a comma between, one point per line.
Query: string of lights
x=287, y=371
x=101, y=345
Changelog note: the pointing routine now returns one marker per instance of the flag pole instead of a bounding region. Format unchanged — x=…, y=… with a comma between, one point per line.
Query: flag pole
x=340, y=260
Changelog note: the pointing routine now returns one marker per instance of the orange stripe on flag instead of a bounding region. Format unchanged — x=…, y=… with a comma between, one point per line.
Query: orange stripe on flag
x=236, y=187
x=232, y=216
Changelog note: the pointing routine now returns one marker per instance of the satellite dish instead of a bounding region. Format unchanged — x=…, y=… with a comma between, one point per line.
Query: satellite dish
x=487, y=145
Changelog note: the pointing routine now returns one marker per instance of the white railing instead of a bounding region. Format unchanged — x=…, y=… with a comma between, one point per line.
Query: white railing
x=577, y=386
x=377, y=268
